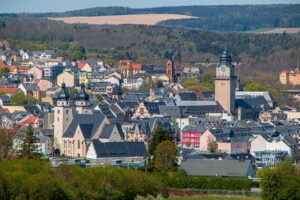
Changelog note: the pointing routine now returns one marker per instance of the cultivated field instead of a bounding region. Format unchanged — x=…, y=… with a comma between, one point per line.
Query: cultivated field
x=148, y=19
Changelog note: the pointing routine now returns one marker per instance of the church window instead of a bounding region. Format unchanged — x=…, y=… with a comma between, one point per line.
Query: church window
x=58, y=111
x=142, y=111
x=78, y=144
x=67, y=111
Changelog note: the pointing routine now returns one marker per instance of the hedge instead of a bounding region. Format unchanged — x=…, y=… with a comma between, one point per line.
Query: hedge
x=177, y=180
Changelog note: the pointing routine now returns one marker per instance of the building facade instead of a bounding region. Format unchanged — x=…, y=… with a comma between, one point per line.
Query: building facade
x=190, y=136
x=290, y=77
x=225, y=83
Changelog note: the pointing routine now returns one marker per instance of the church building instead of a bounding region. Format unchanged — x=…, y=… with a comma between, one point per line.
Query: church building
x=75, y=125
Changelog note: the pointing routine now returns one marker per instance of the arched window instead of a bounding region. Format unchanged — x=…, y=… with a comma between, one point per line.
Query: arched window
x=78, y=144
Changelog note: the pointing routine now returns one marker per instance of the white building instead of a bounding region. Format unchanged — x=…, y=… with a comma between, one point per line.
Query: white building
x=132, y=83
x=265, y=143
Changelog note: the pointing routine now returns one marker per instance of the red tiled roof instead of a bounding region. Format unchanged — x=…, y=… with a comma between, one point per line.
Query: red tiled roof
x=137, y=66
x=29, y=120
x=2, y=65
x=8, y=90
x=128, y=64
x=81, y=64
x=12, y=68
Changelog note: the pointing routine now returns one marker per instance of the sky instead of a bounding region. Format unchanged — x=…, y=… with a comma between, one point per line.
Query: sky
x=37, y=6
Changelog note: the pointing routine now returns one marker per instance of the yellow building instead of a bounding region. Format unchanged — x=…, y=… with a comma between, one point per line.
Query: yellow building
x=83, y=78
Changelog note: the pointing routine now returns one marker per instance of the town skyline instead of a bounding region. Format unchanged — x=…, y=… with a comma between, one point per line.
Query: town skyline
x=161, y=103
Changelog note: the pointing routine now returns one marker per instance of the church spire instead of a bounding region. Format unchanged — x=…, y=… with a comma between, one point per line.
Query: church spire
x=64, y=94
x=225, y=58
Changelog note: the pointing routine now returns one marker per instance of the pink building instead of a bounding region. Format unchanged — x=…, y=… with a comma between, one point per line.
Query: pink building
x=226, y=143
x=190, y=136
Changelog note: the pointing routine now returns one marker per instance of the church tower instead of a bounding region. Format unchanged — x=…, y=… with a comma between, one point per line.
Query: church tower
x=170, y=70
x=63, y=115
x=225, y=83
x=81, y=100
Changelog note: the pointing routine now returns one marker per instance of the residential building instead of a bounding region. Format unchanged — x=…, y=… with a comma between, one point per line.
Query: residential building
x=190, y=136
x=290, y=77
x=36, y=72
x=268, y=116
x=269, y=158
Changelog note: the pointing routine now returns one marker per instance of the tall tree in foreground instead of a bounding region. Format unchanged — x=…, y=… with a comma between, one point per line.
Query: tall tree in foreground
x=165, y=157
x=160, y=134
x=29, y=149
x=281, y=182
x=5, y=145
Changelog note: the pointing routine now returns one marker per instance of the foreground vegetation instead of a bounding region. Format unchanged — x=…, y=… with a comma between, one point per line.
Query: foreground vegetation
x=30, y=177
x=35, y=179
x=281, y=182
x=215, y=197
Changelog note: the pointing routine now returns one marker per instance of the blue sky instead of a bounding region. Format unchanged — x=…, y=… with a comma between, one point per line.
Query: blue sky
x=9, y=6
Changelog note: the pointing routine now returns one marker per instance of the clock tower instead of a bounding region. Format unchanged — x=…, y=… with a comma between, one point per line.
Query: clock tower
x=225, y=83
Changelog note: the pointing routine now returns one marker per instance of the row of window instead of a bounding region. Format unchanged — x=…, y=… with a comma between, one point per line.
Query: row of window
x=78, y=144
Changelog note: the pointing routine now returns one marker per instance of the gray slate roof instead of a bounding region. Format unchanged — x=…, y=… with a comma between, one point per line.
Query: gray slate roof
x=225, y=168
x=107, y=130
x=119, y=149
x=188, y=96
x=172, y=111
x=88, y=123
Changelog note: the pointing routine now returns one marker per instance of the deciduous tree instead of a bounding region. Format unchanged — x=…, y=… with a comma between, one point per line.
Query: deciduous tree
x=18, y=98
x=165, y=157
x=281, y=182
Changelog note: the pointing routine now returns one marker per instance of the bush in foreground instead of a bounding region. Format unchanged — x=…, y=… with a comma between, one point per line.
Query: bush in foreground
x=177, y=180
x=35, y=179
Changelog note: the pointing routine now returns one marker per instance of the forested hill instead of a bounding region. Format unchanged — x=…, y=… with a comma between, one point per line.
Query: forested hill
x=217, y=18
